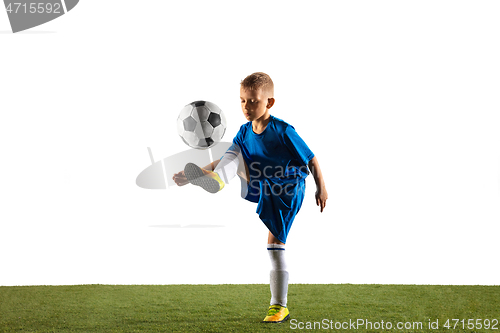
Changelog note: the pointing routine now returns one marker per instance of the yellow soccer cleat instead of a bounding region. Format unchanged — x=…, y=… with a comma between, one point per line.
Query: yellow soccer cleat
x=208, y=180
x=277, y=314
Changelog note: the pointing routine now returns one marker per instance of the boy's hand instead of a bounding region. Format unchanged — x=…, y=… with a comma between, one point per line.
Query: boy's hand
x=321, y=197
x=321, y=194
x=180, y=179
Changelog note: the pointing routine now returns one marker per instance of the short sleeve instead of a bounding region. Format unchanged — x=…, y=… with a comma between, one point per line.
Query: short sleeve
x=297, y=146
x=238, y=139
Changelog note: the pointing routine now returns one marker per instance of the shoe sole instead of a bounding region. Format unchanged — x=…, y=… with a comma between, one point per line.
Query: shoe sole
x=277, y=322
x=195, y=176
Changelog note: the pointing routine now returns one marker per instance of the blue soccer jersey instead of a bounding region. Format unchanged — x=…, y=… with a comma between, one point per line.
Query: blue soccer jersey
x=277, y=162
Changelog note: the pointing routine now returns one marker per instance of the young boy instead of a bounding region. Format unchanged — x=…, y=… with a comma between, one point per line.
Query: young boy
x=273, y=160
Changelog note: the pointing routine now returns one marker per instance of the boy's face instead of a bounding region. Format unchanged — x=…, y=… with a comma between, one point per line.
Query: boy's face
x=255, y=103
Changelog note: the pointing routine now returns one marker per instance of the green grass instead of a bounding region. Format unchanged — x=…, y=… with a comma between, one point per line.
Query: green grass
x=237, y=308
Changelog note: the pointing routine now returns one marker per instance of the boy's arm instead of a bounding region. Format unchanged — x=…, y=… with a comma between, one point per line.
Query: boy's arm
x=321, y=193
x=212, y=165
x=181, y=180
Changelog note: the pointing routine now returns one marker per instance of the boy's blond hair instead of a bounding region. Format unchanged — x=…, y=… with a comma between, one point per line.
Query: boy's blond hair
x=258, y=80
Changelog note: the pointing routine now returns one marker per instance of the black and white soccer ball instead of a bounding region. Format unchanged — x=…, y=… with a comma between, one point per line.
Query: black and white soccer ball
x=201, y=124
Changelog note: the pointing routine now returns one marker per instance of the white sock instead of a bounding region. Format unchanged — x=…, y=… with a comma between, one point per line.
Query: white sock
x=232, y=164
x=279, y=274
x=229, y=163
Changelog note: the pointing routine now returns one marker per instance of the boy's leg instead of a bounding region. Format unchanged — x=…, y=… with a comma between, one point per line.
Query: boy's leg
x=279, y=274
x=232, y=164
x=273, y=240
x=208, y=180
x=279, y=281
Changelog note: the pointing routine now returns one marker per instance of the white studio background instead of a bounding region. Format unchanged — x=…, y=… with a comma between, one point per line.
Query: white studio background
x=399, y=101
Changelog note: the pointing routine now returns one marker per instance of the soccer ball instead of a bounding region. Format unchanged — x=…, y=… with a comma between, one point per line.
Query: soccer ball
x=201, y=124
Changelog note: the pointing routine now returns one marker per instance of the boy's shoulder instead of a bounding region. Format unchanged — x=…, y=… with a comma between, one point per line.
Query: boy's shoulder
x=280, y=124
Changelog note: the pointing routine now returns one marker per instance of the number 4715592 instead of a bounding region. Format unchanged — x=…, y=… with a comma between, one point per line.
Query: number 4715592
x=471, y=324
x=34, y=8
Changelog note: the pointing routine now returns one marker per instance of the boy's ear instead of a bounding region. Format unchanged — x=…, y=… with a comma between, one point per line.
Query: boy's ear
x=270, y=103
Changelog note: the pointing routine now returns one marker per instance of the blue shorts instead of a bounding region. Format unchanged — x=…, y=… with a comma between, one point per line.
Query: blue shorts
x=278, y=204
